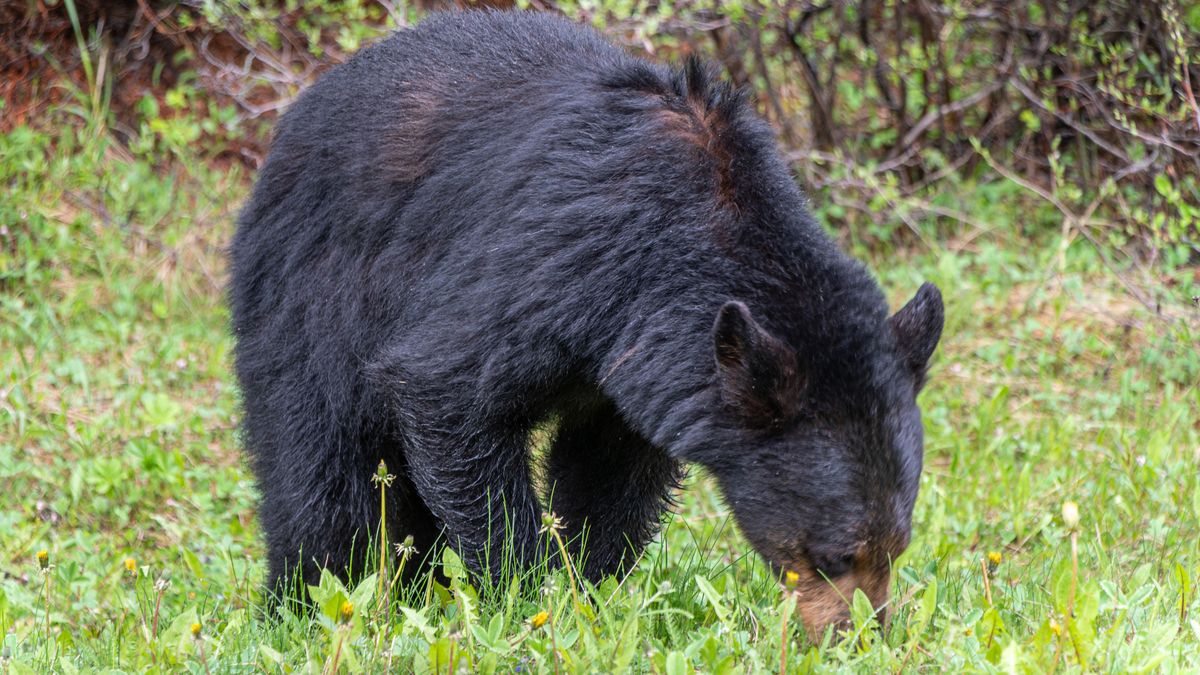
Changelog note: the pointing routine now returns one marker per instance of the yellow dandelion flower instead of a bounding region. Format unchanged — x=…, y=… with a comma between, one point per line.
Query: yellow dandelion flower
x=131, y=565
x=1055, y=627
x=196, y=630
x=791, y=579
x=538, y=620
x=347, y=610
x=994, y=557
x=43, y=558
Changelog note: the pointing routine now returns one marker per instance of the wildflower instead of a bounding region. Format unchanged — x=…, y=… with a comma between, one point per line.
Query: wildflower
x=406, y=548
x=196, y=630
x=131, y=566
x=382, y=477
x=1070, y=514
x=347, y=610
x=665, y=587
x=538, y=620
x=550, y=523
x=791, y=580
x=43, y=558
x=995, y=557
x=1056, y=628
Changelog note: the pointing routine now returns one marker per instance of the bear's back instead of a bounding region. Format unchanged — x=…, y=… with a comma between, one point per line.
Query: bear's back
x=482, y=45
x=449, y=63
x=376, y=121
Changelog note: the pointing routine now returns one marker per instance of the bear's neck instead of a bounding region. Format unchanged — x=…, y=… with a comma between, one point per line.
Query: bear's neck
x=659, y=373
x=660, y=370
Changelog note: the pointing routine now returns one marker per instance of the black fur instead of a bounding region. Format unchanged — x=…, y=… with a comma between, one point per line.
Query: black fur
x=495, y=219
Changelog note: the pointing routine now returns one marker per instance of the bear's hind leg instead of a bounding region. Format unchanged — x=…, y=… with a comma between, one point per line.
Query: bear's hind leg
x=326, y=516
x=314, y=520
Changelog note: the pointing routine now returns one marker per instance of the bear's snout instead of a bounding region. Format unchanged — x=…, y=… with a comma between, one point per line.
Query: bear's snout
x=826, y=602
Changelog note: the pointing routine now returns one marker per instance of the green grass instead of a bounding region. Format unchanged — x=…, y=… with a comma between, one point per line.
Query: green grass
x=118, y=442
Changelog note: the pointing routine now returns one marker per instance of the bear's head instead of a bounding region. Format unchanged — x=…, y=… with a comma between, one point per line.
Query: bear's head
x=821, y=445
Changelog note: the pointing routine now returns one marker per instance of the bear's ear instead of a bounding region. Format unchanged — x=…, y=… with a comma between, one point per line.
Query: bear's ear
x=757, y=373
x=918, y=327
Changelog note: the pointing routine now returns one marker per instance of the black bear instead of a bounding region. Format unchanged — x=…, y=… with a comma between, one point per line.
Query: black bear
x=493, y=220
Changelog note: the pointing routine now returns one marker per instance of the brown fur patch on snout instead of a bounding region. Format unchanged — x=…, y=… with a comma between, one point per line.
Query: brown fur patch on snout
x=824, y=602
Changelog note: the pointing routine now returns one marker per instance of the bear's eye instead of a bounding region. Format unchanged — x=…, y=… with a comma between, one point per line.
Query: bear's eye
x=834, y=566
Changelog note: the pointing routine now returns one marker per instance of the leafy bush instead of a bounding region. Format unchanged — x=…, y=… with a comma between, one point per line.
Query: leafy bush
x=1089, y=107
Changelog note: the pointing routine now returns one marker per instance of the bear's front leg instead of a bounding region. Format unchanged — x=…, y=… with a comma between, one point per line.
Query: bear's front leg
x=610, y=486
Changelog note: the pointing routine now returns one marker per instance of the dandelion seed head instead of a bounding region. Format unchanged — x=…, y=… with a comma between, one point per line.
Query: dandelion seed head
x=405, y=548
x=1070, y=514
x=550, y=523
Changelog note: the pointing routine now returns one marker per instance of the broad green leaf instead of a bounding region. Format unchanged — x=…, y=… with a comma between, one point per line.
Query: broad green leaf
x=452, y=565
x=364, y=593
x=271, y=656
x=1083, y=625
x=329, y=594
x=626, y=644
x=714, y=599
x=928, y=605
x=677, y=664
x=176, y=638
x=416, y=620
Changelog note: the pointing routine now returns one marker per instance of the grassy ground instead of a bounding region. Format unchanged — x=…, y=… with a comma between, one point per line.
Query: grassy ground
x=119, y=458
